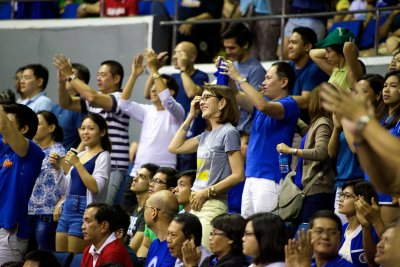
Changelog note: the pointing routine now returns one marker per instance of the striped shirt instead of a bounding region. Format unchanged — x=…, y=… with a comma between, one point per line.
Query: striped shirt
x=118, y=130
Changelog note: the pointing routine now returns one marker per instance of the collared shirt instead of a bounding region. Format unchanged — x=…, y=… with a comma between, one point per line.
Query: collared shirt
x=96, y=253
x=38, y=102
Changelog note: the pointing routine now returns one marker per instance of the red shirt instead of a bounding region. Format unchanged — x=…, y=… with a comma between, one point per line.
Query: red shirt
x=114, y=252
x=120, y=8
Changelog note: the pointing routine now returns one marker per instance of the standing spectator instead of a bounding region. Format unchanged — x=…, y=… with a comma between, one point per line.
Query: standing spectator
x=21, y=161
x=264, y=239
x=99, y=225
x=33, y=83
x=314, y=158
x=109, y=80
x=204, y=36
x=159, y=121
x=86, y=181
x=220, y=163
x=337, y=56
x=46, y=193
x=69, y=120
x=275, y=121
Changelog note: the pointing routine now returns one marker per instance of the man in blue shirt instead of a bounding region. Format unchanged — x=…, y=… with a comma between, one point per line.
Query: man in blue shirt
x=275, y=120
x=21, y=161
x=160, y=209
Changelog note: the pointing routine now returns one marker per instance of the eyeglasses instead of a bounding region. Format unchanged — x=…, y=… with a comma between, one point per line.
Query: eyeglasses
x=206, y=97
x=248, y=234
x=328, y=232
x=148, y=207
x=346, y=196
x=213, y=233
x=157, y=181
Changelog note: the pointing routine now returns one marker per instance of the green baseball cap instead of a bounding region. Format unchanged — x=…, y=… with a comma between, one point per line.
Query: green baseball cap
x=337, y=37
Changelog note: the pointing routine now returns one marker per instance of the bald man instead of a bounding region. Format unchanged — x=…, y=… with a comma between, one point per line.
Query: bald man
x=190, y=81
x=387, y=250
x=160, y=209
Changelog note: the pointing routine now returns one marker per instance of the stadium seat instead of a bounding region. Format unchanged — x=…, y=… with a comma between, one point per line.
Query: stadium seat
x=76, y=261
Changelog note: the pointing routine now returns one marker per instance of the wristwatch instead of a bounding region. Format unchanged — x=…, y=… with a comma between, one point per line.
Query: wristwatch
x=72, y=77
x=156, y=76
x=294, y=151
x=362, y=122
x=243, y=80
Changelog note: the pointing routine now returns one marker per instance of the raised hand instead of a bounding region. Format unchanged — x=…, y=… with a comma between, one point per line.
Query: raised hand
x=137, y=65
x=191, y=254
x=63, y=65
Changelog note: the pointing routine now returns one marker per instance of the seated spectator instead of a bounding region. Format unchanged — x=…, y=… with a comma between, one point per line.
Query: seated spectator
x=84, y=181
x=122, y=223
x=40, y=258
x=326, y=232
x=337, y=56
x=111, y=8
x=225, y=244
x=140, y=186
x=387, y=250
x=185, y=228
x=360, y=5
x=17, y=84
x=183, y=189
x=160, y=209
x=264, y=240
x=359, y=237
x=314, y=158
x=341, y=5
x=33, y=83
x=99, y=226
x=46, y=193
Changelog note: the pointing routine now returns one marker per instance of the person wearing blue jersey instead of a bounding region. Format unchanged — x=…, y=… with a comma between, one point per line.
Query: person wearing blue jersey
x=275, y=120
x=21, y=161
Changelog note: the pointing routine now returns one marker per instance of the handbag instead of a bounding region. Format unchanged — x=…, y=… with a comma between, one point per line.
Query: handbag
x=290, y=199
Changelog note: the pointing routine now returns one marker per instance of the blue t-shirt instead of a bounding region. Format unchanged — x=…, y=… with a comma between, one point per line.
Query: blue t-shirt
x=17, y=178
x=266, y=133
x=308, y=77
x=347, y=164
x=159, y=255
x=336, y=262
x=356, y=247
x=69, y=121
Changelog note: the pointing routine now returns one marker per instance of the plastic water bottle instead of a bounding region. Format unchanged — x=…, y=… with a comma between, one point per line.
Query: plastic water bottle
x=284, y=163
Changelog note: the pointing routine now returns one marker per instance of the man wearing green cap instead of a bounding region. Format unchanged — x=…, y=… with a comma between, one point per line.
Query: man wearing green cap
x=337, y=55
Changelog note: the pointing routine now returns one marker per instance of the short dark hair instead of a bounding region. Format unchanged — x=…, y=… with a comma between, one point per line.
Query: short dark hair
x=171, y=83
x=240, y=32
x=82, y=72
x=102, y=124
x=272, y=236
x=190, y=173
x=115, y=69
x=51, y=119
x=233, y=225
x=308, y=35
x=191, y=225
x=105, y=213
x=122, y=219
x=45, y=258
x=230, y=113
x=24, y=116
x=327, y=214
x=284, y=70
x=40, y=72
x=171, y=174
x=362, y=188
x=151, y=167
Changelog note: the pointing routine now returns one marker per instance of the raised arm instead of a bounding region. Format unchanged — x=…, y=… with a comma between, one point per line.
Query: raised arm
x=273, y=109
x=318, y=56
x=13, y=137
x=161, y=61
x=350, y=52
x=137, y=70
x=333, y=145
x=95, y=98
x=191, y=89
x=64, y=98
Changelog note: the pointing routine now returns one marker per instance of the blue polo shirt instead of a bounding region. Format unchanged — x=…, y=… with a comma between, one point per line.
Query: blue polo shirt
x=308, y=77
x=266, y=133
x=17, y=178
x=336, y=262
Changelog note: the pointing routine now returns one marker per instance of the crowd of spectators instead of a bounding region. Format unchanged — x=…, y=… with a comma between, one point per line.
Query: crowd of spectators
x=67, y=183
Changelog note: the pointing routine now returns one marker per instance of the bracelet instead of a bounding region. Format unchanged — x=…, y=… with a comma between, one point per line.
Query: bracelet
x=243, y=80
x=156, y=76
x=209, y=193
x=213, y=192
x=72, y=77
